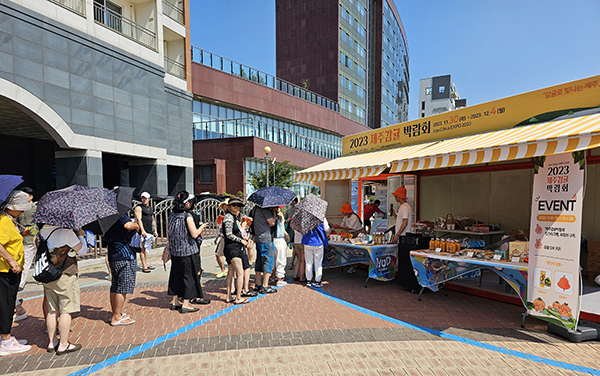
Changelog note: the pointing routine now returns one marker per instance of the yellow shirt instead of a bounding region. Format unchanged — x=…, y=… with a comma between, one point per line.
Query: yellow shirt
x=12, y=241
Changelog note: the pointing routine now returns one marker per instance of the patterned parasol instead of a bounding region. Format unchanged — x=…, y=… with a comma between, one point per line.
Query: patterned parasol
x=308, y=214
x=75, y=206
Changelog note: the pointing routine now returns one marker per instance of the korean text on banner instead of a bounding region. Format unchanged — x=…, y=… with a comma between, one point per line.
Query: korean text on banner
x=553, y=283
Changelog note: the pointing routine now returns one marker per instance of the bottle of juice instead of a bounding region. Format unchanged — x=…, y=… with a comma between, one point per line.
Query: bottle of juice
x=432, y=243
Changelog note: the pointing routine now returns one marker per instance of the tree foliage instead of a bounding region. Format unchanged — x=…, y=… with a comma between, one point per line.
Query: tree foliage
x=283, y=175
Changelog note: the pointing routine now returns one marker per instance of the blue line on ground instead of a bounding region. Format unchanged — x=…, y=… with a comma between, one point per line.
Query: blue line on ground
x=483, y=345
x=158, y=341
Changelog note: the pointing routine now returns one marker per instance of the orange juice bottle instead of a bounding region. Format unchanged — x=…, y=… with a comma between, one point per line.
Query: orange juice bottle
x=443, y=245
x=432, y=243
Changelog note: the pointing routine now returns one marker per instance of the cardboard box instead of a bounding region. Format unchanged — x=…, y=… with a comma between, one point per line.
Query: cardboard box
x=593, y=250
x=518, y=249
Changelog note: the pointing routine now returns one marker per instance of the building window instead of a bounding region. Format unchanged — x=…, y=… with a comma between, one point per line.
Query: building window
x=441, y=89
x=428, y=91
x=204, y=174
x=423, y=106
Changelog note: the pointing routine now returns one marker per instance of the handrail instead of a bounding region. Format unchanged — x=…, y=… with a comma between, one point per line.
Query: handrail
x=175, y=68
x=229, y=66
x=77, y=6
x=124, y=26
x=172, y=11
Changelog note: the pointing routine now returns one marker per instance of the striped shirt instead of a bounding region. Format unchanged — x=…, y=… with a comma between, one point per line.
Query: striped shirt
x=181, y=243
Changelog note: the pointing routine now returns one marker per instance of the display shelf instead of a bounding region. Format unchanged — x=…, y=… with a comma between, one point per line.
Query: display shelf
x=469, y=232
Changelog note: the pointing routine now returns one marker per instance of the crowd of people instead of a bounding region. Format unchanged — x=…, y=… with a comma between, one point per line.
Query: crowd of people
x=263, y=237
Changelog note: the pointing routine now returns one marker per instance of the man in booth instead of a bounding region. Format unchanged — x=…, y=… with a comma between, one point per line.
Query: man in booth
x=404, y=215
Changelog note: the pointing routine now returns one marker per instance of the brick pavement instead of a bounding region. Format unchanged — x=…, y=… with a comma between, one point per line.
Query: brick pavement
x=303, y=332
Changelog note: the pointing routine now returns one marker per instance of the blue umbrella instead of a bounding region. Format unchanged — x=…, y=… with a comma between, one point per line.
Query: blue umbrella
x=7, y=184
x=268, y=197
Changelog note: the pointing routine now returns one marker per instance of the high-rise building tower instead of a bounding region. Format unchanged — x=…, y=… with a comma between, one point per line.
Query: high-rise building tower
x=351, y=51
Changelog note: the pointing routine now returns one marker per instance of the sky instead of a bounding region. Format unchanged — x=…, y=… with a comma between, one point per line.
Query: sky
x=492, y=49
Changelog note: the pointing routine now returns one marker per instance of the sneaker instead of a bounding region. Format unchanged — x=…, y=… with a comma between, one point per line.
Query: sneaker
x=351, y=270
x=20, y=341
x=221, y=275
x=14, y=347
x=281, y=283
x=308, y=283
x=318, y=285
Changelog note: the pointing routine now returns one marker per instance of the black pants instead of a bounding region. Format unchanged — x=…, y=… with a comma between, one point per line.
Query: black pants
x=183, y=280
x=9, y=286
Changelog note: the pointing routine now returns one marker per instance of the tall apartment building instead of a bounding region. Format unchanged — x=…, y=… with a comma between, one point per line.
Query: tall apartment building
x=437, y=95
x=353, y=52
x=97, y=93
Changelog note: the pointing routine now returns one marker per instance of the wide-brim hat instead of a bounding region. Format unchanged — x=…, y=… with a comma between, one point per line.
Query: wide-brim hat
x=346, y=209
x=235, y=200
x=18, y=201
x=223, y=203
x=400, y=193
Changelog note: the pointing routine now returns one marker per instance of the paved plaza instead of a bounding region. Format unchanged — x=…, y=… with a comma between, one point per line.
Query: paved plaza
x=341, y=329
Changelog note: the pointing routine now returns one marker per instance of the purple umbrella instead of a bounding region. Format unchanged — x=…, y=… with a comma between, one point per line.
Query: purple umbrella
x=75, y=206
x=7, y=184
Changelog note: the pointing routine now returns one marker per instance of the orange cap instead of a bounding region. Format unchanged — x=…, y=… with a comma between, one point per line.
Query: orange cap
x=400, y=193
x=346, y=208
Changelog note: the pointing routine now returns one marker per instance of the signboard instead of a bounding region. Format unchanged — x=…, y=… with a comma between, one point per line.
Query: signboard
x=381, y=258
x=539, y=105
x=553, y=284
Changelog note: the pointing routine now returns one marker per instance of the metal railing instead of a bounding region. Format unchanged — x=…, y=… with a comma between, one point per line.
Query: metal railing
x=124, y=26
x=229, y=66
x=208, y=210
x=172, y=11
x=77, y=6
x=175, y=68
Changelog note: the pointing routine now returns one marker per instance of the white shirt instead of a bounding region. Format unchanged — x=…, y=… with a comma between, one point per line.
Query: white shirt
x=60, y=237
x=352, y=222
x=404, y=212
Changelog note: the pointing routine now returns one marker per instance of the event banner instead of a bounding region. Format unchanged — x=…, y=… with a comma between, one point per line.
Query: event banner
x=555, y=238
x=381, y=258
x=527, y=108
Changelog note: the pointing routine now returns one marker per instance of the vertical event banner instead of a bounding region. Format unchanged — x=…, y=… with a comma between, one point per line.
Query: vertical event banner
x=555, y=238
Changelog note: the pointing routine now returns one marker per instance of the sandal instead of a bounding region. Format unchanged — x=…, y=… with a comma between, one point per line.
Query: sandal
x=124, y=321
x=268, y=290
x=244, y=301
x=53, y=348
x=249, y=294
x=69, y=349
x=151, y=267
x=175, y=307
x=146, y=270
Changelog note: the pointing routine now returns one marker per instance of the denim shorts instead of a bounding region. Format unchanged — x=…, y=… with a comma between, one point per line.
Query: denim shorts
x=265, y=253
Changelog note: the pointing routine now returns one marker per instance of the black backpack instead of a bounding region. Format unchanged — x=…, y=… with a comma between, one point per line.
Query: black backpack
x=44, y=270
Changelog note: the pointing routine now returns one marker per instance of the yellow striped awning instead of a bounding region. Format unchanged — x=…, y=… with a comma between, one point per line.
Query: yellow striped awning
x=357, y=166
x=553, y=137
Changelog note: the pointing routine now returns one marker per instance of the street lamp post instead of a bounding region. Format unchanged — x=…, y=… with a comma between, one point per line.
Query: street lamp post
x=274, y=171
x=267, y=151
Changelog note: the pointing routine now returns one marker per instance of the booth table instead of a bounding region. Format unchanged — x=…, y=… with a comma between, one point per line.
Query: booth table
x=381, y=258
x=434, y=268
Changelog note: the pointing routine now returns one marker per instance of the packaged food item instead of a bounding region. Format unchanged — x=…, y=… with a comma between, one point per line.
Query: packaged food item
x=519, y=249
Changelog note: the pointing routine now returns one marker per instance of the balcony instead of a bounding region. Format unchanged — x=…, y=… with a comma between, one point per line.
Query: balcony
x=175, y=68
x=173, y=11
x=124, y=26
x=77, y=6
x=229, y=66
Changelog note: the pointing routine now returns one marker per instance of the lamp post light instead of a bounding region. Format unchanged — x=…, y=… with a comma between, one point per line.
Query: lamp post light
x=274, y=171
x=267, y=151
